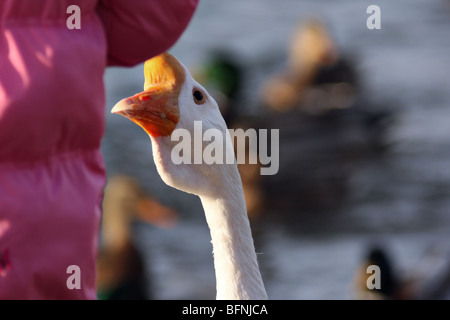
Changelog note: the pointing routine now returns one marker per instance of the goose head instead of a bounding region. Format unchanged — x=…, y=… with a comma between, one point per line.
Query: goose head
x=172, y=100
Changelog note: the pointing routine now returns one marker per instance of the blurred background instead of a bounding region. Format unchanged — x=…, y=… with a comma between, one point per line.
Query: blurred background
x=364, y=144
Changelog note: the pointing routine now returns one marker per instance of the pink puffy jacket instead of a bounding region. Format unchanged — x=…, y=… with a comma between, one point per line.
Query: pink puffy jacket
x=51, y=124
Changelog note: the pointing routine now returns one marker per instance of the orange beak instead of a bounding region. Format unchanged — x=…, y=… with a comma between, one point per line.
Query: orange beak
x=156, y=108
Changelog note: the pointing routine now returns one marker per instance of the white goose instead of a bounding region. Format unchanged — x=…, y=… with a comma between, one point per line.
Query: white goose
x=173, y=99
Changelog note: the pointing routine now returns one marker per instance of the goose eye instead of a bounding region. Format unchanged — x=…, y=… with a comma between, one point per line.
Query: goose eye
x=199, y=97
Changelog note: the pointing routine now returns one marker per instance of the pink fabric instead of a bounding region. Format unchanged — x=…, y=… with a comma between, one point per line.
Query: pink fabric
x=51, y=124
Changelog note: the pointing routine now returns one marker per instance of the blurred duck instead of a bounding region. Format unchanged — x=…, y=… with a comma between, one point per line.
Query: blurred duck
x=321, y=81
x=121, y=267
x=429, y=279
x=222, y=75
x=311, y=50
x=327, y=123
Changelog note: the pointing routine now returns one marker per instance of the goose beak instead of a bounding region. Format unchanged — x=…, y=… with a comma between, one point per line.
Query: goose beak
x=156, y=108
x=156, y=113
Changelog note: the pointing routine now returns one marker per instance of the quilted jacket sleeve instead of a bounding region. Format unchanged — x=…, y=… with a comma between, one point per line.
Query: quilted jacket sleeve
x=137, y=30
